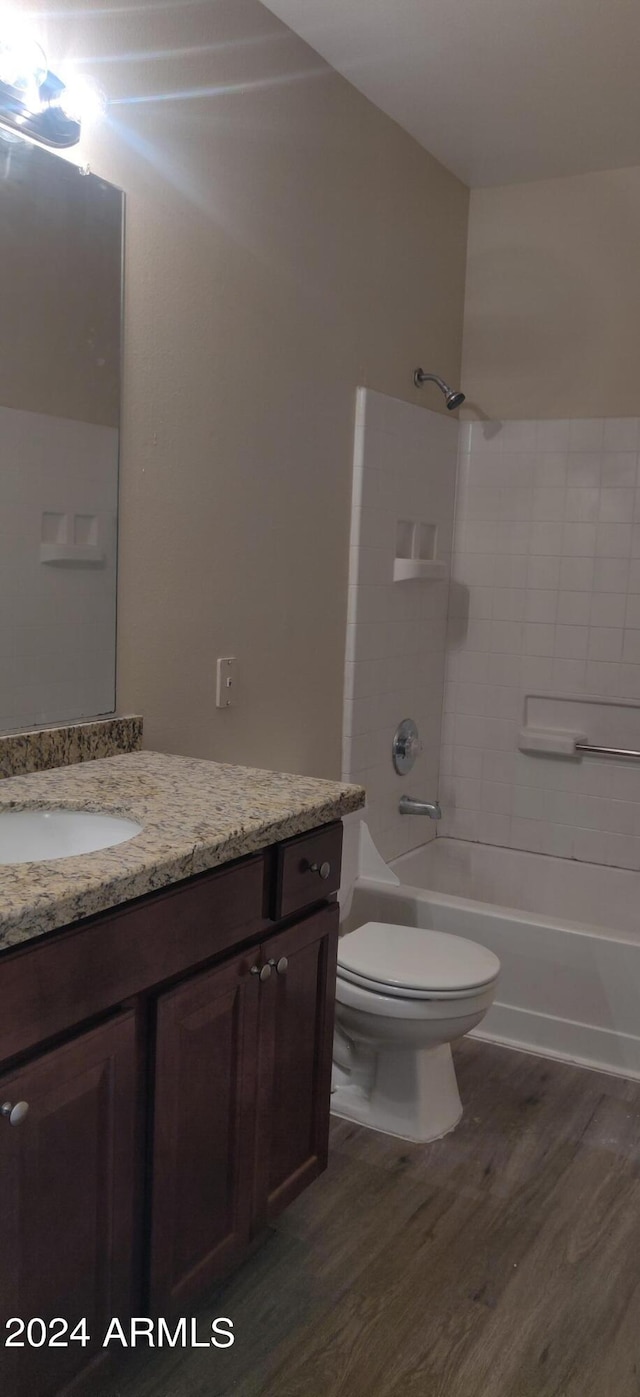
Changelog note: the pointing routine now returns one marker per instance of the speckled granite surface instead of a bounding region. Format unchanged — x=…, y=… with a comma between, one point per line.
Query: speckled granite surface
x=195, y=815
x=44, y=748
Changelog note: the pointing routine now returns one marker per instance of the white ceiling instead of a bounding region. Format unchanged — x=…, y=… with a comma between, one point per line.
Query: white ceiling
x=499, y=90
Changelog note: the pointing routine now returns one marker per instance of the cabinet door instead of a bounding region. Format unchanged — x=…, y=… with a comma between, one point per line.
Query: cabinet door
x=66, y=1201
x=296, y=1039
x=203, y=1129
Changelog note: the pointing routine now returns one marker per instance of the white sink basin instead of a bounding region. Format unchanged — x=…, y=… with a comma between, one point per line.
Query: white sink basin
x=29, y=836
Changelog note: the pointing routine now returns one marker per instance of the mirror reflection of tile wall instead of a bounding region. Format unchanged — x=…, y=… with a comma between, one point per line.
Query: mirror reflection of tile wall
x=61, y=258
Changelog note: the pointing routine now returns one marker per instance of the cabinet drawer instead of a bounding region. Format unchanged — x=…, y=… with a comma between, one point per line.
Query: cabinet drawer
x=49, y=987
x=307, y=870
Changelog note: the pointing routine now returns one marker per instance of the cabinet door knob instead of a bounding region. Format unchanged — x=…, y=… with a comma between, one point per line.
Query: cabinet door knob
x=322, y=869
x=264, y=971
x=281, y=965
x=14, y=1114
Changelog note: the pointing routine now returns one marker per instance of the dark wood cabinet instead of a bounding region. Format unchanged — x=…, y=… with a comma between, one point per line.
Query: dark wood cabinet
x=175, y=1055
x=296, y=1037
x=242, y=1082
x=67, y=1202
x=203, y=1130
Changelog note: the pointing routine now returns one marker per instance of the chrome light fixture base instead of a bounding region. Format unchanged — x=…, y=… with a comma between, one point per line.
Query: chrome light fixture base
x=48, y=124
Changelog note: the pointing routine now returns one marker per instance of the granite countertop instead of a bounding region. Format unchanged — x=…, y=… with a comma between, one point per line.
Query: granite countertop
x=195, y=815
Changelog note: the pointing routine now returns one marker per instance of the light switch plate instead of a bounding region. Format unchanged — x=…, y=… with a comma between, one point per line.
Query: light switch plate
x=226, y=682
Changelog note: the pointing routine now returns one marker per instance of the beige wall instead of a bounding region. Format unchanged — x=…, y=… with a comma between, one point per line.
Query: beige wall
x=285, y=242
x=552, y=317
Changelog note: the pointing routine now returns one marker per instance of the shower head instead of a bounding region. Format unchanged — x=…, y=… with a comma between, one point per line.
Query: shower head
x=452, y=399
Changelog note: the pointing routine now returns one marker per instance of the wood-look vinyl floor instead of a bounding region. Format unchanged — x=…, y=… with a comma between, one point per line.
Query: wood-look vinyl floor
x=502, y=1261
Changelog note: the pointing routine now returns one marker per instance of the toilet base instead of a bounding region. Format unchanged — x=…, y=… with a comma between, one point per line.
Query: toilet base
x=412, y=1095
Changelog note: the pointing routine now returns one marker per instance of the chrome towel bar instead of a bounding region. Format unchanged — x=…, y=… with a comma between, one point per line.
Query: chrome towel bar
x=607, y=751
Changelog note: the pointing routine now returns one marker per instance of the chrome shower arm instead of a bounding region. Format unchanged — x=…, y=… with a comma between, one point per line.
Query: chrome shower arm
x=452, y=397
x=421, y=377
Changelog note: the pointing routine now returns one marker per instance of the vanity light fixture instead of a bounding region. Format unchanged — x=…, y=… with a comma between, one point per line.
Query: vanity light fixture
x=36, y=103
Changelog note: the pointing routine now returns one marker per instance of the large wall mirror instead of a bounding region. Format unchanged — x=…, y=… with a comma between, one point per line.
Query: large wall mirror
x=61, y=239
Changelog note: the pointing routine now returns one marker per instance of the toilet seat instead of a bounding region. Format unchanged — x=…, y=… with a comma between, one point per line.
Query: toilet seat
x=415, y=963
x=375, y=987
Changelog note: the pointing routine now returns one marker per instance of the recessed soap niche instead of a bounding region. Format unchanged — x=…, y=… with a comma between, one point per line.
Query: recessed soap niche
x=71, y=540
x=417, y=552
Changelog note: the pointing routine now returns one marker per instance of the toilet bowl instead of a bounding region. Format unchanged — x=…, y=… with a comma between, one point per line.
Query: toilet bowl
x=403, y=995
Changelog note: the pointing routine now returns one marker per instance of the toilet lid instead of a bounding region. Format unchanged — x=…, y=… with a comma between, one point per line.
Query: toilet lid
x=412, y=959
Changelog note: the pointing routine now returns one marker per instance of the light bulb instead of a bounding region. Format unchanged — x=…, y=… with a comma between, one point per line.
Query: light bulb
x=23, y=63
x=82, y=100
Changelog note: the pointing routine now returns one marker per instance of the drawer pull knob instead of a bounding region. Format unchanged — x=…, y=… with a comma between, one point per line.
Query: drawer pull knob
x=322, y=869
x=263, y=971
x=280, y=966
x=14, y=1114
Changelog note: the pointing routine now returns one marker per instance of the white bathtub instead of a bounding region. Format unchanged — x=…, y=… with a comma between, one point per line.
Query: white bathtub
x=567, y=934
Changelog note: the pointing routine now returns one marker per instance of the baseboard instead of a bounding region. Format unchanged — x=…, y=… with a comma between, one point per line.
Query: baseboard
x=602, y=1049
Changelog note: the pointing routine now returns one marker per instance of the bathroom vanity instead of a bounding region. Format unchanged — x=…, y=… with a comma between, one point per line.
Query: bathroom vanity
x=173, y=1046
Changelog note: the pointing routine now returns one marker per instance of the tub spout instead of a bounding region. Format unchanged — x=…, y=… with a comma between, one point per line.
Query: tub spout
x=409, y=806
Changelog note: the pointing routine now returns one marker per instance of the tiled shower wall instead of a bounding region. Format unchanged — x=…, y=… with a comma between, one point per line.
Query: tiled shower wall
x=545, y=598
x=404, y=470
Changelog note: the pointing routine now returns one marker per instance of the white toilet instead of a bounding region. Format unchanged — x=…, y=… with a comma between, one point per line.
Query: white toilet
x=403, y=995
